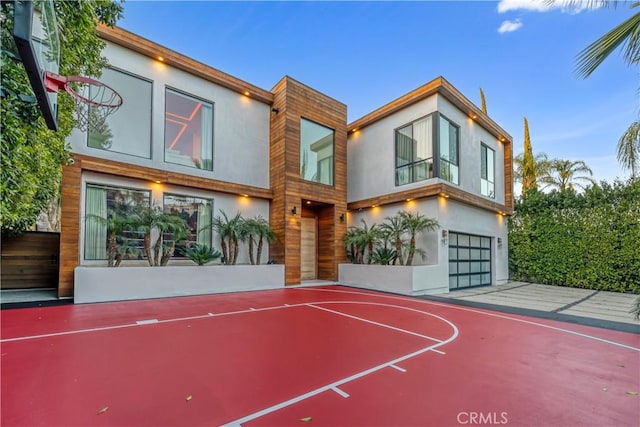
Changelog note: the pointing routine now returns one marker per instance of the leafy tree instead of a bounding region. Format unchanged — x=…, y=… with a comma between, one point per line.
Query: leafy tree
x=415, y=223
x=32, y=155
x=567, y=175
x=629, y=149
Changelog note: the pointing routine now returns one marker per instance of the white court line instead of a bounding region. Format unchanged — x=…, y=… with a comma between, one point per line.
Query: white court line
x=146, y=322
x=457, y=307
x=333, y=386
x=398, y=368
x=374, y=323
x=340, y=392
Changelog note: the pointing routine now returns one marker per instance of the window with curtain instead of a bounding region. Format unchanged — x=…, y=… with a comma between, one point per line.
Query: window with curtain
x=449, y=140
x=316, y=152
x=105, y=210
x=127, y=130
x=414, y=152
x=487, y=171
x=188, y=131
x=197, y=214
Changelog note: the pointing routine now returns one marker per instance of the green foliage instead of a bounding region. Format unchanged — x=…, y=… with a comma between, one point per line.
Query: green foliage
x=372, y=243
x=257, y=230
x=202, y=254
x=161, y=233
x=587, y=240
x=32, y=155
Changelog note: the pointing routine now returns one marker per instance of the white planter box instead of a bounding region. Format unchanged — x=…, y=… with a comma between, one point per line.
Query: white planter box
x=405, y=280
x=99, y=284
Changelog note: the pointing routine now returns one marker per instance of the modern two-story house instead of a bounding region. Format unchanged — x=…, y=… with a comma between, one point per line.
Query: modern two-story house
x=196, y=141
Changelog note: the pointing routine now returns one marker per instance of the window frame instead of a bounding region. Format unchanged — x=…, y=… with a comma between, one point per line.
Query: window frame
x=484, y=152
x=213, y=127
x=439, y=154
x=412, y=165
x=144, y=79
x=333, y=154
x=88, y=184
x=186, y=196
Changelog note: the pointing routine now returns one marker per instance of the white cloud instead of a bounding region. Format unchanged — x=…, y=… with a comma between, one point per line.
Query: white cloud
x=510, y=26
x=545, y=6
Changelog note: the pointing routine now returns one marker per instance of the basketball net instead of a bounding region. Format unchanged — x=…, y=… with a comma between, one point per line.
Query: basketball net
x=94, y=101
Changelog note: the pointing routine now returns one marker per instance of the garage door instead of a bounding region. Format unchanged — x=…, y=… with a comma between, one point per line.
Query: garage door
x=469, y=260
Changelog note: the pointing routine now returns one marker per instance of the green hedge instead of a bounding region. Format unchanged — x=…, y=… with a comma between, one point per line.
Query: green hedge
x=589, y=240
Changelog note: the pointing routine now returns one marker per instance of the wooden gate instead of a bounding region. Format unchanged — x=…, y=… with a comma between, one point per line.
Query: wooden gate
x=30, y=260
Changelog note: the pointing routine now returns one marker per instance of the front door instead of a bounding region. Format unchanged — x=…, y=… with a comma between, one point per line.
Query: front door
x=308, y=248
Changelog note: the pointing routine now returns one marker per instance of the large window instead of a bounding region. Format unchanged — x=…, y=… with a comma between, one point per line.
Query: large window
x=449, y=143
x=414, y=152
x=197, y=214
x=188, y=131
x=487, y=171
x=127, y=130
x=316, y=152
x=106, y=211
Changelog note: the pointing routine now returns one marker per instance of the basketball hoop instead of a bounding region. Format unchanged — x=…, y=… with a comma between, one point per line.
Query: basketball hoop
x=94, y=100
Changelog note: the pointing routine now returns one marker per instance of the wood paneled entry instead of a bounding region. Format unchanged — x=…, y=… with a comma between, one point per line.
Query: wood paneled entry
x=308, y=248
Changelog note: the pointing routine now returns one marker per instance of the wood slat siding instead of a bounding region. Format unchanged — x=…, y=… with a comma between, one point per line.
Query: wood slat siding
x=176, y=60
x=69, y=228
x=71, y=187
x=294, y=101
x=111, y=167
x=30, y=260
x=433, y=190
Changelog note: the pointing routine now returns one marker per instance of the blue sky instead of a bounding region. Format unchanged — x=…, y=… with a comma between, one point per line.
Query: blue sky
x=365, y=54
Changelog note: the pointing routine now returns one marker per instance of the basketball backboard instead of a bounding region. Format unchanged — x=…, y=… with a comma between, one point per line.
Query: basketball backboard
x=36, y=35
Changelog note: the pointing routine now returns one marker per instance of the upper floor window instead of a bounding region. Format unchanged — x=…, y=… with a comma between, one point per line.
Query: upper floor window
x=127, y=130
x=487, y=171
x=316, y=152
x=197, y=214
x=449, y=140
x=188, y=131
x=414, y=152
x=106, y=212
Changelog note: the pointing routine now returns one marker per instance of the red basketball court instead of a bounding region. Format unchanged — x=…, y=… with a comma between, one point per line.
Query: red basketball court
x=324, y=356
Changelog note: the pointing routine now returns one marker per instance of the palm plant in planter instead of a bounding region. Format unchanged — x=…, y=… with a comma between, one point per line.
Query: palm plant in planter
x=231, y=232
x=155, y=224
x=202, y=254
x=415, y=223
x=394, y=228
x=257, y=230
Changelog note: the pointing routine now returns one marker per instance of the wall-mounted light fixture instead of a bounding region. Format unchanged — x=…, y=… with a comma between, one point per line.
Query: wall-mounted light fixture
x=445, y=233
x=499, y=241
x=294, y=211
x=341, y=217
x=275, y=110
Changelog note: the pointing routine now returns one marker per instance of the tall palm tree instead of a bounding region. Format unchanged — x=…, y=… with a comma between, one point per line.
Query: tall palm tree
x=627, y=36
x=566, y=174
x=629, y=149
x=540, y=166
x=483, y=102
x=231, y=232
x=154, y=223
x=415, y=223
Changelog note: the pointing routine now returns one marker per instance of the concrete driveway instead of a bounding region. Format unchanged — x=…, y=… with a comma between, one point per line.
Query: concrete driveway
x=584, y=306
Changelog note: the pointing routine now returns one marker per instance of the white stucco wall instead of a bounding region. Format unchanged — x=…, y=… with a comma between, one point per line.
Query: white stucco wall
x=230, y=204
x=371, y=152
x=453, y=217
x=472, y=136
x=240, y=132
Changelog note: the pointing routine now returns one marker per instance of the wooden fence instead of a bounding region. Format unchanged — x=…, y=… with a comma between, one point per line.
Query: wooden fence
x=30, y=260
